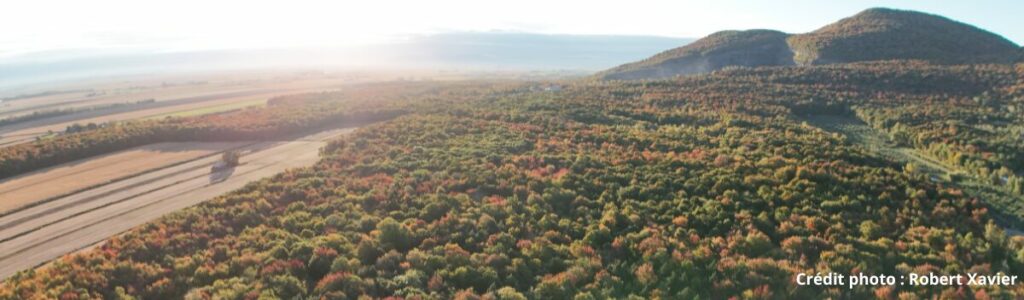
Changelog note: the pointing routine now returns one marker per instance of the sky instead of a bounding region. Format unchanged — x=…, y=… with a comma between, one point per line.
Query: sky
x=40, y=27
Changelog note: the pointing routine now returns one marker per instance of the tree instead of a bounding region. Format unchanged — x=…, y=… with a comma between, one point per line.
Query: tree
x=393, y=235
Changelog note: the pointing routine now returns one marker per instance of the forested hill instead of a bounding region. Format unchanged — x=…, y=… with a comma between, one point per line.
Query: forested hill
x=750, y=48
x=873, y=35
x=706, y=187
x=887, y=34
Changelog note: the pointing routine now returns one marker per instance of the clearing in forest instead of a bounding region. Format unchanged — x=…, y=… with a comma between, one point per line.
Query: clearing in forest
x=1008, y=209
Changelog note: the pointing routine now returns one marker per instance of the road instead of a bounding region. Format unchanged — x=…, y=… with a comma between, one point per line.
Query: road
x=35, y=235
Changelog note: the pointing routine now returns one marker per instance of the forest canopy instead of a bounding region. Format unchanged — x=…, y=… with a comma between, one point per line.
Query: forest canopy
x=704, y=187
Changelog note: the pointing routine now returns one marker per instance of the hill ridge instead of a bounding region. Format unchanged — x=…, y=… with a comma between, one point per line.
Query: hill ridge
x=875, y=34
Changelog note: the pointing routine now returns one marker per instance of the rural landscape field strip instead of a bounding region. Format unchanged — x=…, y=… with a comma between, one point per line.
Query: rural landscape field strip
x=251, y=103
x=26, y=132
x=22, y=105
x=22, y=222
x=188, y=181
x=33, y=218
x=42, y=233
x=55, y=182
x=128, y=108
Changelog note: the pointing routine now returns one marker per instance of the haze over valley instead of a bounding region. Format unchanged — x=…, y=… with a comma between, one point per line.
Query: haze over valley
x=467, y=51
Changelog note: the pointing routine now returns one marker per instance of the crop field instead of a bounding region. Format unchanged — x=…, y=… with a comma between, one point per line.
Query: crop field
x=28, y=131
x=21, y=133
x=255, y=102
x=67, y=178
x=165, y=96
x=37, y=234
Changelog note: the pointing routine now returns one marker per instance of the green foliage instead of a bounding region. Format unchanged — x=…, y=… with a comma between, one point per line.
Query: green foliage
x=393, y=236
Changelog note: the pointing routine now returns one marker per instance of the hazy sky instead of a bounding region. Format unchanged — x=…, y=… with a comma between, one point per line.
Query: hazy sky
x=46, y=26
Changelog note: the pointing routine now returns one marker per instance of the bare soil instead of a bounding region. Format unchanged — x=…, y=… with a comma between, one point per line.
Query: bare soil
x=67, y=178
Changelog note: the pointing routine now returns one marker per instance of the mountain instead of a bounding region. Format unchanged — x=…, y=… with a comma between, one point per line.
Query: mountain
x=757, y=47
x=886, y=34
x=872, y=35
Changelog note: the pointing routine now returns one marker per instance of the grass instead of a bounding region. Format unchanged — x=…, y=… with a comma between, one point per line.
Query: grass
x=213, y=109
x=1007, y=208
x=46, y=136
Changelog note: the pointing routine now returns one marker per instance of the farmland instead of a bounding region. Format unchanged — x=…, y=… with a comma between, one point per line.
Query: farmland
x=37, y=234
x=74, y=176
x=48, y=212
x=251, y=103
x=27, y=131
x=14, y=137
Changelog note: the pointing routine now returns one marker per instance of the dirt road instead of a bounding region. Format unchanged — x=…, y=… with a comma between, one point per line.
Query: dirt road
x=38, y=234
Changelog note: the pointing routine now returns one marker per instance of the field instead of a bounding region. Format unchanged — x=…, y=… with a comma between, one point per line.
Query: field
x=256, y=102
x=35, y=235
x=67, y=178
x=105, y=91
x=21, y=133
x=177, y=96
x=105, y=94
x=60, y=209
